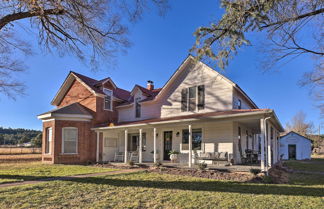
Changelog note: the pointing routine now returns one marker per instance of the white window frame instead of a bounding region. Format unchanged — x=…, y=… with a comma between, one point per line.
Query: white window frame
x=137, y=101
x=77, y=140
x=49, y=140
x=197, y=99
x=111, y=99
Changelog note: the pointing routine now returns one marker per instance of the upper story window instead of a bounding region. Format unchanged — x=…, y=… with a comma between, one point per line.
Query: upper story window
x=70, y=140
x=137, y=108
x=239, y=104
x=108, y=99
x=193, y=98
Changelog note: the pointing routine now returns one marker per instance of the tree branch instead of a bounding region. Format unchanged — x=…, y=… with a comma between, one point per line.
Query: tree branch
x=316, y=12
x=22, y=15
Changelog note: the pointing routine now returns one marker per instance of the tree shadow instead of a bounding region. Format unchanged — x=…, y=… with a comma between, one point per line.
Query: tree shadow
x=205, y=186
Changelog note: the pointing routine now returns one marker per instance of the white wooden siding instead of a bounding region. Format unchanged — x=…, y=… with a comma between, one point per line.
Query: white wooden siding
x=218, y=91
x=245, y=104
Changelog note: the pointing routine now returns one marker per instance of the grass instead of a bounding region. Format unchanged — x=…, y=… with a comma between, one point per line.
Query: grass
x=314, y=165
x=13, y=172
x=152, y=190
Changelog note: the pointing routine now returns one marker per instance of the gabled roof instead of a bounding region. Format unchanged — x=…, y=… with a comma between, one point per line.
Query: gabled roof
x=91, y=84
x=296, y=134
x=71, y=110
x=191, y=59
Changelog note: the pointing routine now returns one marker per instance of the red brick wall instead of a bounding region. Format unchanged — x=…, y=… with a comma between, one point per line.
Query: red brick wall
x=86, y=143
x=79, y=93
x=86, y=138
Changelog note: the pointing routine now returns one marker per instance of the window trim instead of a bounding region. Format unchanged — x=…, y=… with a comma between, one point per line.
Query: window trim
x=137, y=102
x=111, y=99
x=187, y=89
x=192, y=130
x=239, y=104
x=77, y=141
x=49, y=140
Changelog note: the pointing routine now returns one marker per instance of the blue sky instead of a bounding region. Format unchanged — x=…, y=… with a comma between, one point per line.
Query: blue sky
x=160, y=44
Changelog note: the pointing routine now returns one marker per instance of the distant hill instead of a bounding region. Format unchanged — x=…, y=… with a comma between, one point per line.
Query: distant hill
x=13, y=136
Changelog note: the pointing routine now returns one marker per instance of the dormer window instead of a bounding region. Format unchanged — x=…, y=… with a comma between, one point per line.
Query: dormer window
x=137, y=108
x=108, y=99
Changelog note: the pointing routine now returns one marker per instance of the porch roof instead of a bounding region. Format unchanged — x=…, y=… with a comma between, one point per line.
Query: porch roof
x=191, y=117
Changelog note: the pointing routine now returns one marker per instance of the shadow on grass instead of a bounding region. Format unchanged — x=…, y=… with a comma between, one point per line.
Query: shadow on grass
x=207, y=186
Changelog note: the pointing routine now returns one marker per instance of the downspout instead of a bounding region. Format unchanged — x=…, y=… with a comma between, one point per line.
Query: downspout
x=266, y=137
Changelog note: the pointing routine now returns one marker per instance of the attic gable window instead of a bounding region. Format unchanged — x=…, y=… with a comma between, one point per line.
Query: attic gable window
x=137, y=107
x=107, y=99
x=193, y=98
x=239, y=104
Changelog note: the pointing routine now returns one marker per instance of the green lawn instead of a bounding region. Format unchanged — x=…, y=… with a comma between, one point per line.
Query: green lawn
x=12, y=172
x=314, y=165
x=152, y=190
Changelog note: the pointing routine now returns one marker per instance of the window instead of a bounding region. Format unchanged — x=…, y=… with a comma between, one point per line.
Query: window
x=137, y=108
x=201, y=97
x=196, y=138
x=184, y=100
x=239, y=104
x=108, y=99
x=133, y=142
x=193, y=97
x=239, y=132
x=48, y=143
x=70, y=140
x=271, y=133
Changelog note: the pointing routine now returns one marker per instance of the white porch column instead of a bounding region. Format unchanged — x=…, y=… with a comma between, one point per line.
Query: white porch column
x=126, y=144
x=262, y=135
x=269, y=147
x=154, y=145
x=274, y=147
x=97, y=150
x=140, y=154
x=190, y=147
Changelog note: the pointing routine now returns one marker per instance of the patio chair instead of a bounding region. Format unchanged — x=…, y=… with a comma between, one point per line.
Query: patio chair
x=119, y=155
x=134, y=157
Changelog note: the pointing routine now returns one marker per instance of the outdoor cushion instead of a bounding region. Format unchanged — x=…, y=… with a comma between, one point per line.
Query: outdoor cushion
x=216, y=155
x=222, y=155
x=205, y=155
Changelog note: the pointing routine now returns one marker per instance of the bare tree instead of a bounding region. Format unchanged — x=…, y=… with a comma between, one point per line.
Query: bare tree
x=91, y=30
x=299, y=125
x=292, y=28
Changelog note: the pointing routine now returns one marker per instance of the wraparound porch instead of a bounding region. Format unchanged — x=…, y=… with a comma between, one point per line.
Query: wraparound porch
x=244, y=139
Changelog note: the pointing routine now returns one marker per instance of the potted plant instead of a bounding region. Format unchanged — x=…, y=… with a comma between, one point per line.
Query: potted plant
x=173, y=155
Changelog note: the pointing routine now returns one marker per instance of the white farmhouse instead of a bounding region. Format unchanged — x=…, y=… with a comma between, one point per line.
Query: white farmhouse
x=295, y=147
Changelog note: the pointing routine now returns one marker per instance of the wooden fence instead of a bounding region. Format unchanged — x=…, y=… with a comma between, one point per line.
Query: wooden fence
x=19, y=150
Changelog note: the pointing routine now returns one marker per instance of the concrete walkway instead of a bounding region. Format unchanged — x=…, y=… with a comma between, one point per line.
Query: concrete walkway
x=37, y=181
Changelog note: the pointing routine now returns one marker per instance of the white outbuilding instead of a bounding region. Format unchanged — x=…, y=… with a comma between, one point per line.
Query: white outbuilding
x=294, y=146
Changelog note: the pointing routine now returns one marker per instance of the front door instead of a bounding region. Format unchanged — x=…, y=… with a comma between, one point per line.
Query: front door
x=292, y=151
x=167, y=144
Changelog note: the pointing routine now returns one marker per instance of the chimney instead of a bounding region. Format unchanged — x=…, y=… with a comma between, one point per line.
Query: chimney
x=150, y=85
